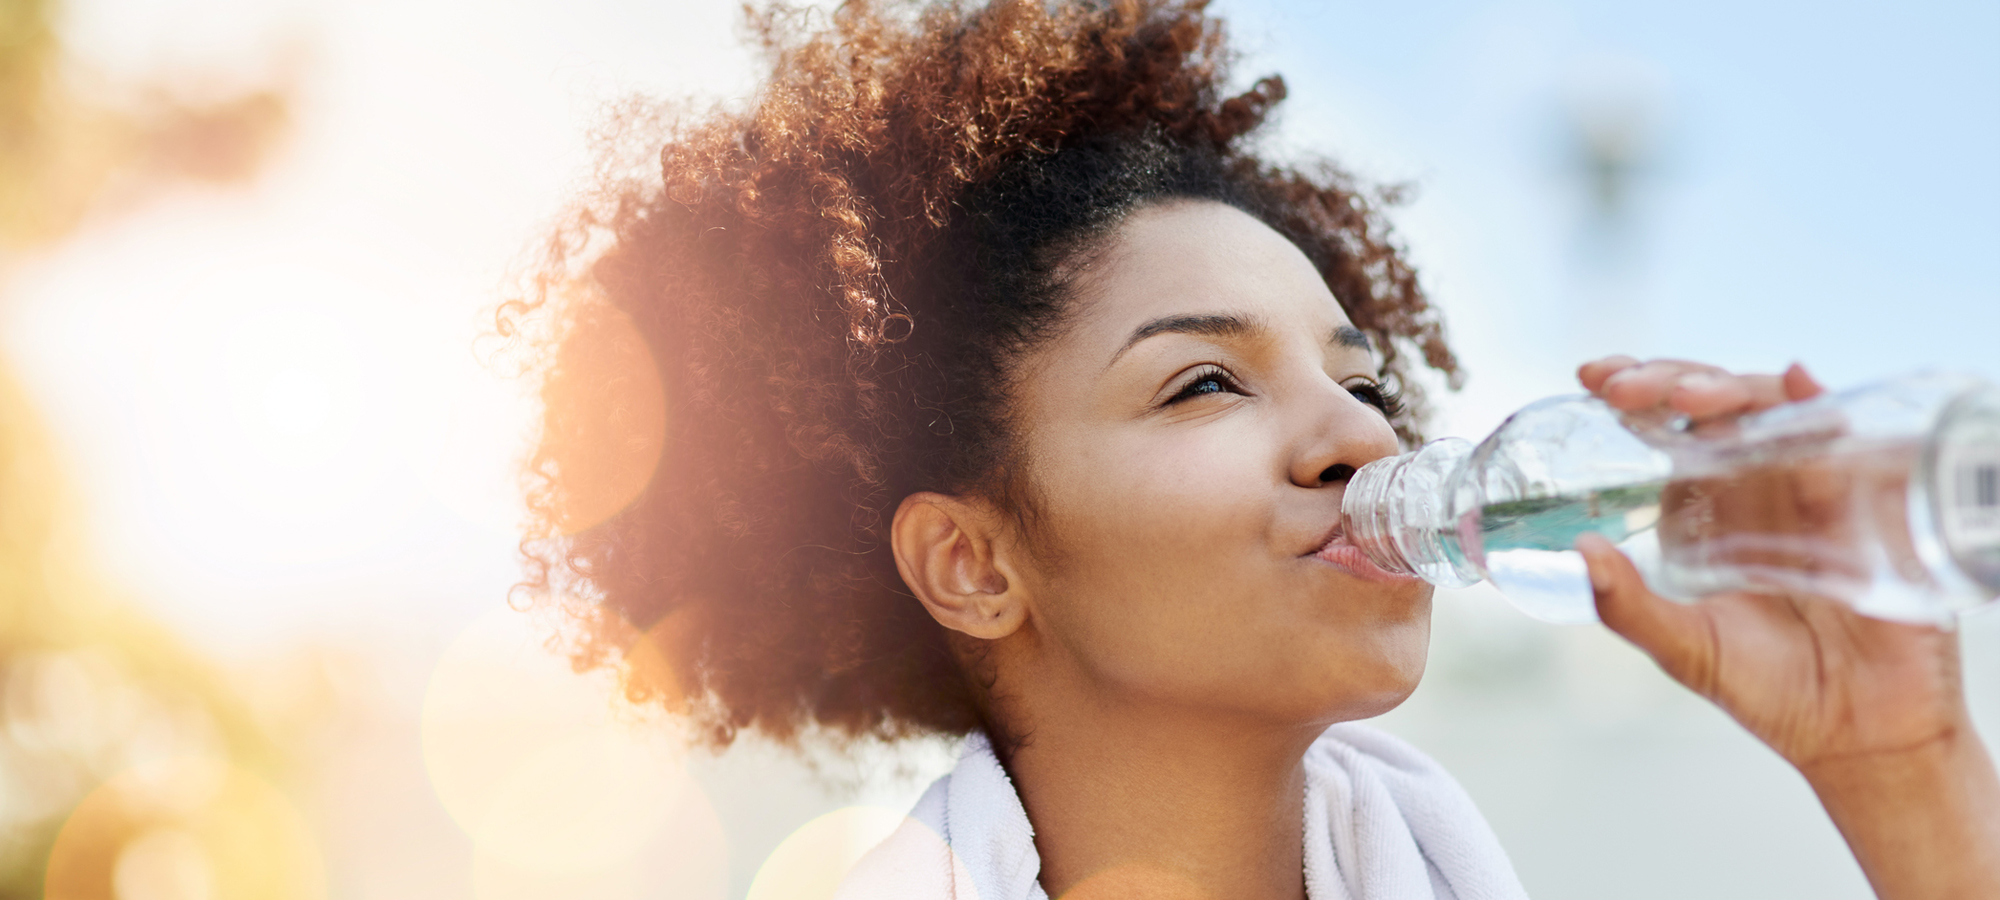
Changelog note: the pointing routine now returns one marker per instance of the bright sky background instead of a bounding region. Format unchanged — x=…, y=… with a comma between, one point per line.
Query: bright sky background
x=272, y=398
x=1820, y=188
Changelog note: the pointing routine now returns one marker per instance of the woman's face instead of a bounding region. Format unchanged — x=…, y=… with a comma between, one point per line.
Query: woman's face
x=1187, y=441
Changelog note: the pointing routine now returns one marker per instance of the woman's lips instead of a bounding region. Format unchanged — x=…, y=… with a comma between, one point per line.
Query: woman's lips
x=1349, y=558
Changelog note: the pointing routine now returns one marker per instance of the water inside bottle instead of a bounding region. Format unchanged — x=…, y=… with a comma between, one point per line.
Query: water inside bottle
x=1527, y=545
x=1835, y=525
x=1886, y=498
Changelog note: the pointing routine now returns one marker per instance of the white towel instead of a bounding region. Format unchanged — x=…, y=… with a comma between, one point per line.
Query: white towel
x=1383, y=822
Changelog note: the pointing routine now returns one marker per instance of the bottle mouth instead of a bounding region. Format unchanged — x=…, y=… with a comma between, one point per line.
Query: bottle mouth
x=1366, y=516
x=1393, y=512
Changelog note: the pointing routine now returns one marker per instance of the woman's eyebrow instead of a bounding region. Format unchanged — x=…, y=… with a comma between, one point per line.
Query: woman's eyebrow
x=1204, y=324
x=1350, y=336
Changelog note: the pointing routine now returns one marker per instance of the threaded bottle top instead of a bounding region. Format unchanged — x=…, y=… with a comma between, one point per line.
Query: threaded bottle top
x=1397, y=510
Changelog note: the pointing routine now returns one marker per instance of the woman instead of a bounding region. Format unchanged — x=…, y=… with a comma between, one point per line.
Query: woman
x=1008, y=393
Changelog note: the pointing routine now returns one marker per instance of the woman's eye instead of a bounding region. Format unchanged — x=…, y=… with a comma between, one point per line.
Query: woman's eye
x=1388, y=400
x=1213, y=381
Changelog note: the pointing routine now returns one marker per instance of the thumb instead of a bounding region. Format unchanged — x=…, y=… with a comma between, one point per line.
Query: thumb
x=1679, y=637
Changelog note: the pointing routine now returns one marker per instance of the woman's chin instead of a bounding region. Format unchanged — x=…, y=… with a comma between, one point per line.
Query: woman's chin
x=1380, y=675
x=1359, y=701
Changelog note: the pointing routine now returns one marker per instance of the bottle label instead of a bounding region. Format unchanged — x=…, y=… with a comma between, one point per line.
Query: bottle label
x=1968, y=493
x=1975, y=501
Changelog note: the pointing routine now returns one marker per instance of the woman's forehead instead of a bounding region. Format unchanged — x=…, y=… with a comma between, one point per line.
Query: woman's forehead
x=1199, y=260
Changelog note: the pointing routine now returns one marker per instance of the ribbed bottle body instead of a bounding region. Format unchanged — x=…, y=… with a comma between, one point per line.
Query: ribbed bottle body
x=1886, y=497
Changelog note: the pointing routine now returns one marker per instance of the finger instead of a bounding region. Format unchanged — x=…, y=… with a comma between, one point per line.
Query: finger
x=1678, y=637
x=1648, y=384
x=1593, y=373
x=1706, y=395
x=1800, y=385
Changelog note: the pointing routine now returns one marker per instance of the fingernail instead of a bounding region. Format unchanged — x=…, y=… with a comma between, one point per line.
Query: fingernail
x=1700, y=381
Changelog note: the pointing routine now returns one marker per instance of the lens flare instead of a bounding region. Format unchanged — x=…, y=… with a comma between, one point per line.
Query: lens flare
x=534, y=762
x=190, y=828
x=607, y=417
x=688, y=859
x=163, y=864
x=647, y=669
x=812, y=863
x=904, y=864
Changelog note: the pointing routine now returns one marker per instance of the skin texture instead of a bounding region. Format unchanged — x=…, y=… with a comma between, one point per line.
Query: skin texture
x=1164, y=642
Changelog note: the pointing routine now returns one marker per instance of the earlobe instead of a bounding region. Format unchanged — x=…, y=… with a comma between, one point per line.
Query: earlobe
x=946, y=552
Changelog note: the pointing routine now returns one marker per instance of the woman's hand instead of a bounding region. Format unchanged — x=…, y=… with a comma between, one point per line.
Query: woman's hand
x=1871, y=712
x=1808, y=676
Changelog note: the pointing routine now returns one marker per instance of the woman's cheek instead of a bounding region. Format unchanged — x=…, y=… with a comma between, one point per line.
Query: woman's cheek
x=1159, y=496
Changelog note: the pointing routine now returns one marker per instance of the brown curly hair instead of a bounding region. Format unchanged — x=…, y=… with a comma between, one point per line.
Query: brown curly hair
x=809, y=310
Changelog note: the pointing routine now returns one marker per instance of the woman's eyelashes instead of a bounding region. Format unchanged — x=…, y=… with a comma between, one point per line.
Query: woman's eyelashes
x=1206, y=380
x=1387, y=399
x=1216, y=380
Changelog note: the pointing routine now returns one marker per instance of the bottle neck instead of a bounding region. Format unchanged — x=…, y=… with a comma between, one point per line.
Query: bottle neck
x=1397, y=511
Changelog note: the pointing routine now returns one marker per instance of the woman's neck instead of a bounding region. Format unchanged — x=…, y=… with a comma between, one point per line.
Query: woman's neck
x=1131, y=799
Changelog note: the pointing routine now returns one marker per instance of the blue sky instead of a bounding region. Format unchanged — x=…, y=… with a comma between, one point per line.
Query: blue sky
x=1820, y=184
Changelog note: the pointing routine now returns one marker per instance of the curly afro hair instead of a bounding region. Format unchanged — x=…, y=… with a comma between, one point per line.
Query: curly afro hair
x=810, y=309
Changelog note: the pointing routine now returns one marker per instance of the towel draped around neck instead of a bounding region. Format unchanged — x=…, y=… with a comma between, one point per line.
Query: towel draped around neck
x=1382, y=822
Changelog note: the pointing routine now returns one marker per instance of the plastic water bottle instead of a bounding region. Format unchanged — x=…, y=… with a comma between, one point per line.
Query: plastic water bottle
x=1886, y=497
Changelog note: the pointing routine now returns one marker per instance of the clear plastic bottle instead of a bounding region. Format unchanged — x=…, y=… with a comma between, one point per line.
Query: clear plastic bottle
x=1886, y=497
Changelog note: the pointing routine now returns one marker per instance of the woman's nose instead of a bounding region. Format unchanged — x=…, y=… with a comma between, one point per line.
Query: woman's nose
x=1336, y=472
x=1341, y=434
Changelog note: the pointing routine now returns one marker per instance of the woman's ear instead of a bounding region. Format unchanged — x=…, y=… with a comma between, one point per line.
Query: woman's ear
x=948, y=550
